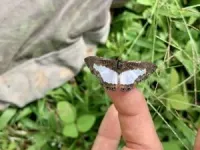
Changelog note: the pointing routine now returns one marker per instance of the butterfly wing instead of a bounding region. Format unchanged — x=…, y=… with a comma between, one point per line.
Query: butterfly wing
x=128, y=78
x=148, y=66
x=102, y=68
x=91, y=60
x=134, y=72
x=108, y=75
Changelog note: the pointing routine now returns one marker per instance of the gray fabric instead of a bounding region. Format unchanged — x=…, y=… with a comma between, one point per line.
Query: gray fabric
x=43, y=44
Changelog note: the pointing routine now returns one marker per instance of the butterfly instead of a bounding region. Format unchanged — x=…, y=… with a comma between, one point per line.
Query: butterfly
x=114, y=73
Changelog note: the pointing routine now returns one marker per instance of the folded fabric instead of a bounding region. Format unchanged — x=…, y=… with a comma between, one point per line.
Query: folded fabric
x=43, y=44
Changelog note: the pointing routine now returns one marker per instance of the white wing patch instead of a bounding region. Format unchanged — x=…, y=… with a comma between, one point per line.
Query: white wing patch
x=126, y=78
x=107, y=74
x=129, y=77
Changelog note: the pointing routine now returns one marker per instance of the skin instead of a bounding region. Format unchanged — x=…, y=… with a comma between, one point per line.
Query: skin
x=130, y=118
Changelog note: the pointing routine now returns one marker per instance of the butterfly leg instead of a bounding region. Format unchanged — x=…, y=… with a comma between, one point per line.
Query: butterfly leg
x=125, y=88
x=111, y=87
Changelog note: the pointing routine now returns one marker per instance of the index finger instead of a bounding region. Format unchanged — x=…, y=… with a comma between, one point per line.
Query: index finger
x=135, y=120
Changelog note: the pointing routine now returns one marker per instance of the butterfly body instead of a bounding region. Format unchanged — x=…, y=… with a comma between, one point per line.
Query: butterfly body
x=114, y=73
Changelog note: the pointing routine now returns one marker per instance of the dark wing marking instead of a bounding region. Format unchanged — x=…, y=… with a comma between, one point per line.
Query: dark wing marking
x=91, y=60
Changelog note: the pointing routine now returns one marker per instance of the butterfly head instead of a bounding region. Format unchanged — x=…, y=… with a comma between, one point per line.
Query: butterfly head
x=119, y=64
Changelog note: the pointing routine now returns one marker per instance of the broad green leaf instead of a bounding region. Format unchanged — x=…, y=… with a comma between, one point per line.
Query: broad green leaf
x=52, y=121
x=91, y=79
x=175, y=12
x=190, y=12
x=158, y=122
x=144, y=43
x=6, y=117
x=66, y=111
x=146, y=2
x=4, y=144
x=132, y=30
x=41, y=109
x=29, y=124
x=186, y=62
x=168, y=115
x=70, y=130
x=184, y=85
x=171, y=145
x=124, y=17
x=32, y=147
x=169, y=12
x=69, y=91
x=180, y=26
x=85, y=122
x=174, y=79
x=23, y=113
x=178, y=101
x=12, y=146
x=187, y=132
x=58, y=94
x=40, y=139
x=190, y=47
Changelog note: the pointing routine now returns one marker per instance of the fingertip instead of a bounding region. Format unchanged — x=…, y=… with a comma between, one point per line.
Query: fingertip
x=129, y=102
x=118, y=94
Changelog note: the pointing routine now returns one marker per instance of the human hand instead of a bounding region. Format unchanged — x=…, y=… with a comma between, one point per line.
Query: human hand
x=129, y=117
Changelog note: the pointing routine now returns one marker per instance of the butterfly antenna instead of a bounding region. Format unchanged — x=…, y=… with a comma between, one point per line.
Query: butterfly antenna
x=117, y=58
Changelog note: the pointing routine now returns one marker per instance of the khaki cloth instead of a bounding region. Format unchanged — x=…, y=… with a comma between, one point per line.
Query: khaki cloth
x=43, y=44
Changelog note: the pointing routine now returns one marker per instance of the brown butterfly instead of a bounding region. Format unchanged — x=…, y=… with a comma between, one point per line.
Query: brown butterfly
x=115, y=73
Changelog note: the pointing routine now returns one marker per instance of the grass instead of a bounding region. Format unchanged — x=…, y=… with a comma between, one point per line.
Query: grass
x=164, y=32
